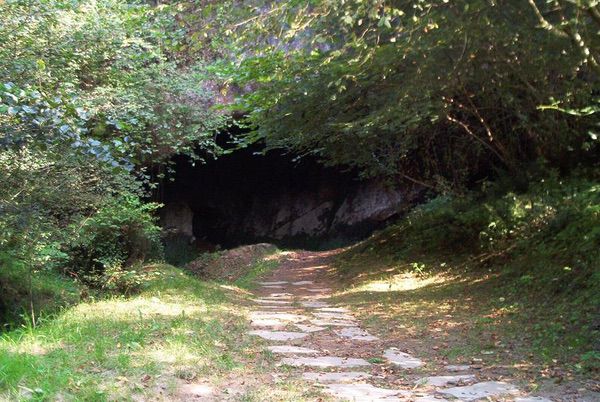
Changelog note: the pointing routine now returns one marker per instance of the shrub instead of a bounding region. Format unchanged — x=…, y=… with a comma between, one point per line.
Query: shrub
x=124, y=281
x=122, y=232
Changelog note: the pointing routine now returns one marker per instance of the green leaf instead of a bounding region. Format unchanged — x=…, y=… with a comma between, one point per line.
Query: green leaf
x=384, y=22
x=347, y=19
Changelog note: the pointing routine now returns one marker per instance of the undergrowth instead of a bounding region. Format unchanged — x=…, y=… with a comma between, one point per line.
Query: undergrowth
x=176, y=329
x=28, y=293
x=515, y=272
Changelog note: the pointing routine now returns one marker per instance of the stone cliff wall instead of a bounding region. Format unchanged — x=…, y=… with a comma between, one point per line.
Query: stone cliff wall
x=324, y=212
x=248, y=196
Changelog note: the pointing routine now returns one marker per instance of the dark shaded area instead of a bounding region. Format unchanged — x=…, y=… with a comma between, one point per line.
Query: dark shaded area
x=225, y=195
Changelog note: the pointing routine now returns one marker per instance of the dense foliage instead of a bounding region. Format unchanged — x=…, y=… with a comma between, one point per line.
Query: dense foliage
x=436, y=92
x=97, y=95
x=93, y=96
x=489, y=108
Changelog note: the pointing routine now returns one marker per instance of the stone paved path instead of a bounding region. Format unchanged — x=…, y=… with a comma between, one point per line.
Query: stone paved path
x=329, y=348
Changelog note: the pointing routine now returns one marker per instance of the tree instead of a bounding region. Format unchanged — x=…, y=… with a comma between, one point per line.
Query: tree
x=435, y=92
x=93, y=94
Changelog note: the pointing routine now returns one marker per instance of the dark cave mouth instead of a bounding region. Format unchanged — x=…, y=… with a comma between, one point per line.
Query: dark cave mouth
x=249, y=196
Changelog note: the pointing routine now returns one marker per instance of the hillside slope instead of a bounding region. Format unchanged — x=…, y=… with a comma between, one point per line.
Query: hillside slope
x=509, y=281
x=179, y=339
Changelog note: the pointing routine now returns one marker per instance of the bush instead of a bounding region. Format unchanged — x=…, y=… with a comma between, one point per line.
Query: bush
x=120, y=233
x=124, y=281
x=446, y=223
x=553, y=216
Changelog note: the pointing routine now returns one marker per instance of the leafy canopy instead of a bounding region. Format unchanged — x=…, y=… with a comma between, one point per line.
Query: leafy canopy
x=433, y=91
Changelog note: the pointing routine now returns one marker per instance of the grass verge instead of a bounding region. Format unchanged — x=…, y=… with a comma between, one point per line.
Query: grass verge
x=177, y=338
x=115, y=348
x=177, y=330
x=509, y=282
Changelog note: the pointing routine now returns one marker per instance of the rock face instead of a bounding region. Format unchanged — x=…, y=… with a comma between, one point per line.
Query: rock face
x=323, y=214
x=372, y=202
x=177, y=218
x=244, y=198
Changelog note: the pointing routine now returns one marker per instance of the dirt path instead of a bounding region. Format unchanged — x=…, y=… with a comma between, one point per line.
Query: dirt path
x=326, y=346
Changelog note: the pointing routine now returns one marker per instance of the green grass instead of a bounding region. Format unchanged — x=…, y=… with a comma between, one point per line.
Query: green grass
x=178, y=330
x=177, y=327
x=48, y=290
x=260, y=268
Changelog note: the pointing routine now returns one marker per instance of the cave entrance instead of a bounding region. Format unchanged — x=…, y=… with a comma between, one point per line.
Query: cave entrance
x=249, y=196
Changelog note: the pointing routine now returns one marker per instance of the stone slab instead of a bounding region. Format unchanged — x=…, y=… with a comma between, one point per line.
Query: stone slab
x=402, y=359
x=309, y=328
x=333, y=310
x=300, y=283
x=268, y=322
x=314, y=304
x=277, y=315
x=325, y=361
x=342, y=377
x=364, y=392
x=356, y=334
x=278, y=307
x=269, y=301
x=316, y=297
x=278, y=296
x=334, y=316
x=480, y=390
x=457, y=367
x=278, y=335
x=332, y=323
x=289, y=349
x=532, y=399
x=444, y=380
x=273, y=283
x=318, y=290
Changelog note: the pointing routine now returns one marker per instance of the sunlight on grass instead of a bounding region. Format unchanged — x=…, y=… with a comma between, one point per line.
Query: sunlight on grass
x=174, y=352
x=99, y=350
x=397, y=283
x=34, y=347
x=178, y=335
x=136, y=309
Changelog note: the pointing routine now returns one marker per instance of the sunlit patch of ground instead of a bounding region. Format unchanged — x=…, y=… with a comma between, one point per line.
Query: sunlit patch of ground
x=395, y=283
x=178, y=337
x=455, y=316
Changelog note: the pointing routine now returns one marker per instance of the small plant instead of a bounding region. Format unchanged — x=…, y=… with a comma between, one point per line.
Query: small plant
x=117, y=279
x=118, y=235
x=418, y=268
x=590, y=361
